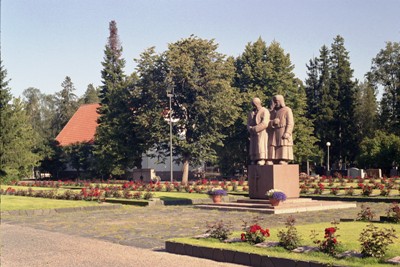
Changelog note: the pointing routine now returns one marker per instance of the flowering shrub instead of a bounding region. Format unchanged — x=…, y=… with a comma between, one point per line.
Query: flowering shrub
x=329, y=244
x=393, y=212
x=319, y=189
x=335, y=190
x=289, y=239
x=349, y=191
x=374, y=241
x=304, y=189
x=276, y=194
x=366, y=190
x=219, y=230
x=137, y=195
x=255, y=234
x=366, y=214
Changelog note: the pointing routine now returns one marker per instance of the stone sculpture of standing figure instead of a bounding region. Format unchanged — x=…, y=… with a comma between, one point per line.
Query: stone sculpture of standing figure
x=257, y=124
x=280, y=142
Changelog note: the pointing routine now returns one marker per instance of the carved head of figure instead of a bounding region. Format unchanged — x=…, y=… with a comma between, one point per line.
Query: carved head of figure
x=256, y=103
x=279, y=101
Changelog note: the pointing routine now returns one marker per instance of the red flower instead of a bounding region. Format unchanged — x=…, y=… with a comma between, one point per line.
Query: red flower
x=330, y=231
x=243, y=237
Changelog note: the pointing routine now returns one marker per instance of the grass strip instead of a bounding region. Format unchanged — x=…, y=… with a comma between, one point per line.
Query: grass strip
x=348, y=232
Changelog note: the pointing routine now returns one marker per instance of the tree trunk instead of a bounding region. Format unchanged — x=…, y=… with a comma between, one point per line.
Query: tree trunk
x=185, y=171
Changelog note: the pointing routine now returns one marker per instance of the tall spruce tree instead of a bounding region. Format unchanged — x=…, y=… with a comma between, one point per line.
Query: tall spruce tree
x=366, y=110
x=344, y=88
x=5, y=114
x=332, y=96
x=17, y=138
x=264, y=71
x=117, y=145
x=66, y=104
x=385, y=72
x=108, y=156
x=91, y=95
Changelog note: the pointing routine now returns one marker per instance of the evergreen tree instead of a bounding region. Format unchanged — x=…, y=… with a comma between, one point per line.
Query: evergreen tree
x=116, y=143
x=66, y=104
x=332, y=96
x=385, y=71
x=264, y=71
x=17, y=138
x=91, y=95
x=344, y=88
x=5, y=114
x=366, y=110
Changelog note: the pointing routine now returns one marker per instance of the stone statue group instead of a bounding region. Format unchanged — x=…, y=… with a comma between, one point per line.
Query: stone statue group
x=270, y=132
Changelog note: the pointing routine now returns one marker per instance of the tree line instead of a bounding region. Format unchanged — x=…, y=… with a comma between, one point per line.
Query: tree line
x=211, y=94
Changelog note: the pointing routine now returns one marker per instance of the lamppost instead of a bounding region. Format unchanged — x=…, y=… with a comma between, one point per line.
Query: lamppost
x=170, y=95
x=328, y=144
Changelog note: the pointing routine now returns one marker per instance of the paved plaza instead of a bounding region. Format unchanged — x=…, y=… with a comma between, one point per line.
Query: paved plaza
x=129, y=236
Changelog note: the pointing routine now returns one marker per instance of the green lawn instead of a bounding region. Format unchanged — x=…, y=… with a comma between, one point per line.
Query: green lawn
x=32, y=203
x=348, y=236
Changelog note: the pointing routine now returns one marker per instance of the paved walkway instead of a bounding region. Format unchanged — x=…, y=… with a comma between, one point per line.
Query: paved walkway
x=121, y=232
x=23, y=246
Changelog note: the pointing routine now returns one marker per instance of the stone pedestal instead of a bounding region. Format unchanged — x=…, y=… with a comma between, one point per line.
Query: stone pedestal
x=282, y=177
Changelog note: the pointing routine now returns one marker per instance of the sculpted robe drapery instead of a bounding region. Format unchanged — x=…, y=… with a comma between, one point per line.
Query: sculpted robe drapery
x=279, y=148
x=257, y=124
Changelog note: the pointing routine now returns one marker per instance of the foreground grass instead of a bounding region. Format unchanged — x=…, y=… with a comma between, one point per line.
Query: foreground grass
x=31, y=203
x=348, y=232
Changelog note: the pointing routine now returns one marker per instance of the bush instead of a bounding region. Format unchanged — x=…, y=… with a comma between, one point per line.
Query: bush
x=366, y=214
x=255, y=234
x=329, y=245
x=374, y=241
x=393, y=212
x=148, y=195
x=219, y=230
x=289, y=239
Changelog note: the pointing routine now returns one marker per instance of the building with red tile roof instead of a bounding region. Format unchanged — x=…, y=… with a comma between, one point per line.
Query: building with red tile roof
x=81, y=127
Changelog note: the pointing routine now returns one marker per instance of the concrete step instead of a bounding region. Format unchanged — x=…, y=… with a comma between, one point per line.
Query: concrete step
x=284, y=207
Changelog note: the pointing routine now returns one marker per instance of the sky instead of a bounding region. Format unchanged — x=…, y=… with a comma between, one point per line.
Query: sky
x=43, y=41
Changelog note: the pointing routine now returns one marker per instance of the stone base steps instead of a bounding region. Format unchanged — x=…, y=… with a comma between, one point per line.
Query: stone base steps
x=288, y=206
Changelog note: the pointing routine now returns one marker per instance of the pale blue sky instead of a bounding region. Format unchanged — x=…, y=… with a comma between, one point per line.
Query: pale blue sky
x=42, y=41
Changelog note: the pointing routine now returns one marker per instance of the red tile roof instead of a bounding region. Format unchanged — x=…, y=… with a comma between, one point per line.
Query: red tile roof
x=81, y=127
